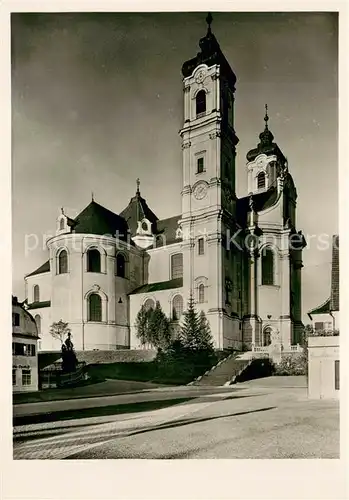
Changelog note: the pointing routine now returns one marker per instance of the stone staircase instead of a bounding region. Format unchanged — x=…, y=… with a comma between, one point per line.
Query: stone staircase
x=224, y=373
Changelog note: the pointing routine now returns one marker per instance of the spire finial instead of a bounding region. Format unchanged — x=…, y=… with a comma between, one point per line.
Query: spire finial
x=266, y=117
x=138, y=184
x=209, y=20
x=62, y=210
x=92, y=196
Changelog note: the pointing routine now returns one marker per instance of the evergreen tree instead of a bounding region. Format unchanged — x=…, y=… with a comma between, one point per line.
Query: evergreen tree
x=142, y=322
x=190, y=330
x=205, y=340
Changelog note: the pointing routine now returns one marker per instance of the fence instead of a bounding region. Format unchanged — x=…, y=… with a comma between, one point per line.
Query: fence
x=55, y=377
x=273, y=351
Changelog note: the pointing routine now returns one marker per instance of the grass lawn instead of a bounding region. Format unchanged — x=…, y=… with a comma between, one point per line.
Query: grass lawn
x=141, y=372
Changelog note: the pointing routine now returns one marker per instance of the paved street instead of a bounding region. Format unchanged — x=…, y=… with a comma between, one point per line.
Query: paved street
x=266, y=418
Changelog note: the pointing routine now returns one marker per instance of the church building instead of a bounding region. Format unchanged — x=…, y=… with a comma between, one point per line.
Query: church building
x=240, y=258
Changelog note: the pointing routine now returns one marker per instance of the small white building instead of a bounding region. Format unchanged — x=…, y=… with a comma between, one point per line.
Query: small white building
x=24, y=349
x=325, y=317
x=323, y=367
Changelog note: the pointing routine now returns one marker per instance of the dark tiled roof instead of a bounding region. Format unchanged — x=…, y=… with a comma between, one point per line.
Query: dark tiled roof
x=335, y=274
x=267, y=149
x=322, y=309
x=38, y=305
x=210, y=54
x=261, y=201
x=162, y=285
x=166, y=230
x=44, y=268
x=135, y=211
x=95, y=219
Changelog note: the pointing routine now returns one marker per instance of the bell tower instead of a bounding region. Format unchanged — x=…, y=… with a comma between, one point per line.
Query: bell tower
x=208, y=194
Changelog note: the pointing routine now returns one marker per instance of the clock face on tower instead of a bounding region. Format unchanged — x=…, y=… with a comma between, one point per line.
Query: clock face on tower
x=200, y=190
x=200, y=77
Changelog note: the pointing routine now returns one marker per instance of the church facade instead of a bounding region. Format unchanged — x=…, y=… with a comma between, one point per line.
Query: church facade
x=240, y=258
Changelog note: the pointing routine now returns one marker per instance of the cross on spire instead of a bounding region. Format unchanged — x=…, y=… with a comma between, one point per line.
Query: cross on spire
x=138, y=184
x=209, y=20
x=92, y=196
x=266, y=117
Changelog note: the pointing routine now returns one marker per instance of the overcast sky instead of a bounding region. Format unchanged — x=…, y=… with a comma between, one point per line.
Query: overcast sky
x=97, y=102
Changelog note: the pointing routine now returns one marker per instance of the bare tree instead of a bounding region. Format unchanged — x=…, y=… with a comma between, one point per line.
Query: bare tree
x=59, y=330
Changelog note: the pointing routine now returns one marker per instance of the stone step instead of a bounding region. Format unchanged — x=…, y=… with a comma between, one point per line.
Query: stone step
x=223, y=373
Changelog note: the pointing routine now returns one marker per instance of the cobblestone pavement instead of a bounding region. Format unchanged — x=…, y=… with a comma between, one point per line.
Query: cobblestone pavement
x=256, y=421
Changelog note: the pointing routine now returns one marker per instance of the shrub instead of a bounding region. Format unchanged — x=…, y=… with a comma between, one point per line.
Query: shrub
x=293, y=364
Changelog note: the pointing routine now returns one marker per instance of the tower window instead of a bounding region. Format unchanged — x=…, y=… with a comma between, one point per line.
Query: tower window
x=201, y=246
x=261, y=180
x=176, y=266
x=36, y=293
x=95, y=307
x=63, y=262
x=200, y=165
x=120, y=266
x=200, y=102
x=177, y=307
x=268, y=267
x=93, y=261
x=61, y=224
x=201, y=293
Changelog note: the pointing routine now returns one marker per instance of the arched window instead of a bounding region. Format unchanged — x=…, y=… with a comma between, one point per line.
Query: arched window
x=38, y=323
x=36, y=293
x=200, y=102
x=267, y=267
x=149, y=304
x=176, y=266
x=261, y=180
x=201, y=293
x=267, y=336
x=120, y=266
x=61, y=224
x=93, y=261
x=177, y=307
x=63, y=262
x=94, y=307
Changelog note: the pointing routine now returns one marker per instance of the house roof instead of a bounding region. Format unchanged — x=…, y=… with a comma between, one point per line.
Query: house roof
x=332, y=303
x=162, y=285
x=321, y=309
x=137, y=210
x=96, y=219
x=44, y=268
x=166, y=229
